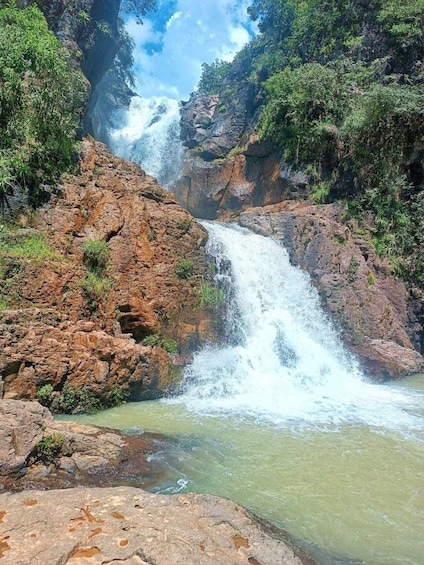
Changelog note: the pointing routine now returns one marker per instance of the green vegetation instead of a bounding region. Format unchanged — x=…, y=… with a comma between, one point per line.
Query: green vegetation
x=77, y=399
x=41, y=101
x=210, y=295
x=96, y=284
x=155, y=340
x=96, y=255
x=212, y=76
x=48, y=449
x=32, y=246
x=184, y=269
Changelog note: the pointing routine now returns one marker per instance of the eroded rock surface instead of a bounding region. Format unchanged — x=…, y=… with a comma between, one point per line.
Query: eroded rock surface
x=126, y=525
x=60, y=327
x=367, y=303
x=37, y=451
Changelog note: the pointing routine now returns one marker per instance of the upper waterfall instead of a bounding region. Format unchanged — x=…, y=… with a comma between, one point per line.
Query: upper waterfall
x=150, y=136
x=282, y=357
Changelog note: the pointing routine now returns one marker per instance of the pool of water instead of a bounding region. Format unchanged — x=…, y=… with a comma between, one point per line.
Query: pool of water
x=353, y=491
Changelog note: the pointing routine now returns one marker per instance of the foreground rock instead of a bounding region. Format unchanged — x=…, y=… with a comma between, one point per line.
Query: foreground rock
x=65, y=323
x=38, y=452
x=126, y=525
x=369, y=305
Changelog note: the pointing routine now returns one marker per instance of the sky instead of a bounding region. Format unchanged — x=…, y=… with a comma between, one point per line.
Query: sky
x=175, y=40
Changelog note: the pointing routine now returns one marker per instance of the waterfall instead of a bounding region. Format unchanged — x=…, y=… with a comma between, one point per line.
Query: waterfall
x=150, y=136
x=282, y=358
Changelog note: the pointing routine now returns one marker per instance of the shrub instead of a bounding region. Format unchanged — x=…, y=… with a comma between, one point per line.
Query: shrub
x=48, y=449
x=184, y=269
x=154, y=340
x=44, y=395
x=210, y=295
x=96, y=255
x=41, y=101
x=73, y=400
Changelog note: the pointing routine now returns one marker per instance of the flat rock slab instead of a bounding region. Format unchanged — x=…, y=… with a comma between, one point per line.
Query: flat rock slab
x=127, y=525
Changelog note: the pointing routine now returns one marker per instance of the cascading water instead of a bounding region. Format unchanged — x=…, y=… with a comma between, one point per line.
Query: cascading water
x=283, y=359
x=281, y=420
x=150, y=136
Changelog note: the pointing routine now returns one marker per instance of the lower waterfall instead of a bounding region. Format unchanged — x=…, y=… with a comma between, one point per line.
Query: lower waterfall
x=280, y=418
x=283, y=359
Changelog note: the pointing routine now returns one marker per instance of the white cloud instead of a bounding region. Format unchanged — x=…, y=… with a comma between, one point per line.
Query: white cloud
x=199, y=31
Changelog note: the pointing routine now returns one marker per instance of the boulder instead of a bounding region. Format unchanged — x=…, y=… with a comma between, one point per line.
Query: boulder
x=37, y=451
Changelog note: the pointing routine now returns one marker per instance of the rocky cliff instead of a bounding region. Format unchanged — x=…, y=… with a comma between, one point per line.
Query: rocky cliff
x=230, y=174
x=129, y=326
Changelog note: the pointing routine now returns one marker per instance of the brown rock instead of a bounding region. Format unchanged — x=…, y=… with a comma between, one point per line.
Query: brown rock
x=127, y=525
x=367, y=304
x=81, y=454
x=59, y=329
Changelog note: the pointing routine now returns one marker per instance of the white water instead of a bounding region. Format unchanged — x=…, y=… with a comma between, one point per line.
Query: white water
x=150, y=136
x=282, y=421
x=283, y=362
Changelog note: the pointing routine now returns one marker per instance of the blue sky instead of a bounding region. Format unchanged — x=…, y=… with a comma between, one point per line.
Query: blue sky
x=174, y=41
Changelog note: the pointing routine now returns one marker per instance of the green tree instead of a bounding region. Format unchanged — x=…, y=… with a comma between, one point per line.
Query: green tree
x=41, y=102
x=212, y=77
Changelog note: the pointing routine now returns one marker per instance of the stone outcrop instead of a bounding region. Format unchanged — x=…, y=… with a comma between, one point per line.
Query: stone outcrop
x=128, y=526
x=60, y=327
x=226, y=168
x=37, y=451
x=89, y=31
x=368, y=304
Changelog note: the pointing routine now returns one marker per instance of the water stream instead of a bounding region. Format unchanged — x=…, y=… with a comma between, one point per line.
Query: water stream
x=281, y=419
x=149, y=135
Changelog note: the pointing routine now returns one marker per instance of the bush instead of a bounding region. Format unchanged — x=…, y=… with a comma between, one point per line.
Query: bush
x=48, y=449
x=44, y=395
x=210, y=295
x=73, y=400
x=41, y=102
x=184, y=269
x=154, y=340
x=96, y=255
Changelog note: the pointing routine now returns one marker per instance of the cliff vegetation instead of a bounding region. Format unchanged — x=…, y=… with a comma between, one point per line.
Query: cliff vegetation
x=338, y=86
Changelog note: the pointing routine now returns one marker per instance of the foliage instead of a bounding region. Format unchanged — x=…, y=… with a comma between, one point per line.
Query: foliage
x=184, y=269
x=155, y=340
x=138, y=8
x=212, y=77
x=44, y=394
x=404, y=20
x=73, y=400
x=96, y=255
x=210, y=295
x=48, y=449
x=41, y=101
x=76, y=399
x=32, y=246
x=96, y=288
x=117, y=396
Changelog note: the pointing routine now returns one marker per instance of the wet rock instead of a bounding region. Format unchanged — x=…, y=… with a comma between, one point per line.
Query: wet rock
x=37, y=451
x=127, y=525
x=367, y=303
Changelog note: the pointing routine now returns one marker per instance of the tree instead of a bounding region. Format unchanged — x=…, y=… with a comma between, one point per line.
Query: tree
x=41, y=102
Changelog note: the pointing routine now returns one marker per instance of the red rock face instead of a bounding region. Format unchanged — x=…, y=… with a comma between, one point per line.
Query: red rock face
x=57, y=330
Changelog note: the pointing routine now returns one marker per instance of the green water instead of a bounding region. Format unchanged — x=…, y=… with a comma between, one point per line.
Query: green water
x=354, y=492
